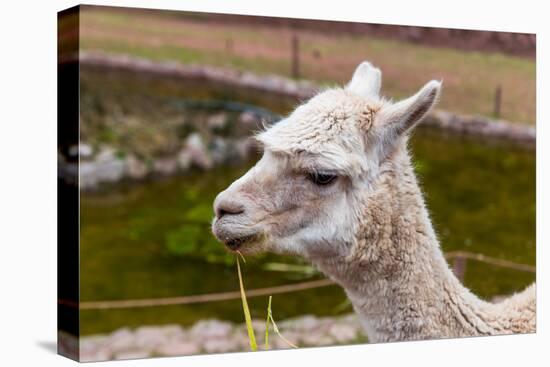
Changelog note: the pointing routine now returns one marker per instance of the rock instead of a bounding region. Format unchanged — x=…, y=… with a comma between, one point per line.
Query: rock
x=91, y=344
x=105, y=154
x=316, y=339
x=217, y=121
x=184, y=159
x=219, y=150
x=221, y=345
x=82, y=149
x=108, y=168
x=166, y=166
x=199, y=155
x=246, y=147
x=211, y=329
x=249, y=119
x=258, y=325
x=178, y=349
x=172, y=332
x=305, y=323
x=120, y=340
x=97, y=355
x=136, y=168
x=343, y=333
x=149, y=337
x=240, y=337
x=133, y=354
x=88, y=177
x=214, y=336
x=85, y=150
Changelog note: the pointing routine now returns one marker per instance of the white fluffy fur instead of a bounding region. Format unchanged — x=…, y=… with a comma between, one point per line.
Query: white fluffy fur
x=369, y=229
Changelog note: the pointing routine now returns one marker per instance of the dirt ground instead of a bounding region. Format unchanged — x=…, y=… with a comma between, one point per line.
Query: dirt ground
x=470, y=78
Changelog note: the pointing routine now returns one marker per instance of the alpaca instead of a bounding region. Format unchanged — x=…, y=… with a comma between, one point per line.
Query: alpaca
x=335, y=185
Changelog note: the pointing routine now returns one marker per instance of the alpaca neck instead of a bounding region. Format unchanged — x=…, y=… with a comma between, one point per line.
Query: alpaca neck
x=396, y=276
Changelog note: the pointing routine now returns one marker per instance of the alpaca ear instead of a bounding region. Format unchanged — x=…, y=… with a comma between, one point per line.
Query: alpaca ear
x=366, y=80
x=402, y=116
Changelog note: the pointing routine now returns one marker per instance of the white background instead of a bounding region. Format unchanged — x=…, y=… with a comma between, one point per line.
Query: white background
x=28, y=170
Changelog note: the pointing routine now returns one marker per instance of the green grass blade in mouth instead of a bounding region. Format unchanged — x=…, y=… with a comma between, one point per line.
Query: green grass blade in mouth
x=251, y=336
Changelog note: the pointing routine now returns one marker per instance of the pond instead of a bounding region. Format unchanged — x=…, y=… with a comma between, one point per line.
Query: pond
x=152, y=239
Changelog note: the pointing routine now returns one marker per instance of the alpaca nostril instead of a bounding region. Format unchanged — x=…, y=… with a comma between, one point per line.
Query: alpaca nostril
x=228, y=208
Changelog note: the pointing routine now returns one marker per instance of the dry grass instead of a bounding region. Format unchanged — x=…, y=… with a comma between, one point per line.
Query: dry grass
x=470, y=78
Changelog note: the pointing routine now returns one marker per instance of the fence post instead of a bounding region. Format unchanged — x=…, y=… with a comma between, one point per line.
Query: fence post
x=459, y=267
x=498, y=101
x=295, y=57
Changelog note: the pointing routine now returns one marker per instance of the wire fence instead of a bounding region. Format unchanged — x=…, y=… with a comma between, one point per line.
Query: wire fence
x=458, y=259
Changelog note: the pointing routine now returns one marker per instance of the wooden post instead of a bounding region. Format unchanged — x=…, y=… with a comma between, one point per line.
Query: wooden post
x=459, y=267
x=498, y=101
x=295, y=57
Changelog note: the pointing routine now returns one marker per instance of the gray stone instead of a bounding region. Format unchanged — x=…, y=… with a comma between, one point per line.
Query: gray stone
x=121, y=339
x=133, y=354
x=343, y=333
x=165, y=166
x=136, y=168
x=108, y=168
x=249, y=119
x=217, y=121
x=219, y=150
x=197, y=150
x=240, y=337
x=321, y=341
x=82, y=149
x=184, y=159
x=178, y=349
x=172, y=332
x=305, y=323
x=220, y=345
x=246, y=147
x=85, y=150
x=149, y=337
x=214, y=336
x=87, y=174
x=211, y=329
x=97, y=355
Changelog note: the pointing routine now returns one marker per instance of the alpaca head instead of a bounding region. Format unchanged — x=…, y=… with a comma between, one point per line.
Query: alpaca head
x=306, y=194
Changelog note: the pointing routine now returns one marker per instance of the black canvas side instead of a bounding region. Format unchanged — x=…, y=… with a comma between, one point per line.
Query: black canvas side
x=67, y=184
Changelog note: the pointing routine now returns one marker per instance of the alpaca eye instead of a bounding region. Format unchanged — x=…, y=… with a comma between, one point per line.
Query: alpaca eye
x=321, y=179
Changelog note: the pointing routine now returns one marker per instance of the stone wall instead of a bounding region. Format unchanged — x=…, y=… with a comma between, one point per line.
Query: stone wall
x=214, y=336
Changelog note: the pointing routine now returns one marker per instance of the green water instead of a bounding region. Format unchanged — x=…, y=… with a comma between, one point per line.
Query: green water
x=152, y=239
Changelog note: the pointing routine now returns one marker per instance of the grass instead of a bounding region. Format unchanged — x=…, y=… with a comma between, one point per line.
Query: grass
x=248, y=319
x=470, y=78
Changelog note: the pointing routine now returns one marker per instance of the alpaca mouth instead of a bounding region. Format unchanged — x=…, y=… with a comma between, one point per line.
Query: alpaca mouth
x=236, y=243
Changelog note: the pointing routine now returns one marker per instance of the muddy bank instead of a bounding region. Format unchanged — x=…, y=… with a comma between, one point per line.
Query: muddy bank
x=471, y=125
